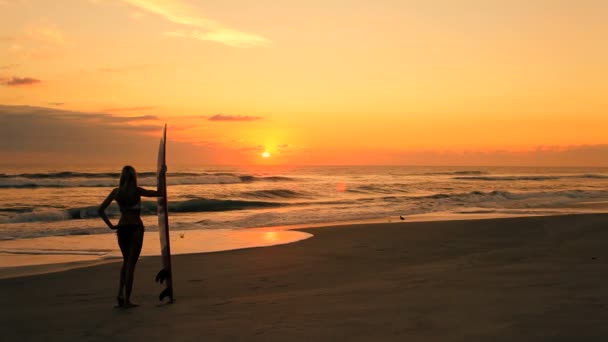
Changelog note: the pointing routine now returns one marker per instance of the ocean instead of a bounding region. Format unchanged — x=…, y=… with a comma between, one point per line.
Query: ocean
x=47, y=203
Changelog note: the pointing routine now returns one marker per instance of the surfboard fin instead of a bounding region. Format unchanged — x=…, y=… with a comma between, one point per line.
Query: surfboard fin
x=163, y=275
x=168, y=292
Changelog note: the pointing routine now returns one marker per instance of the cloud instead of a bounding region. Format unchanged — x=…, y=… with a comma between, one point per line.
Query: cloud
x=141, y=128
x=197, y=25
x=37, y=42
x=11, y=2
x=124, y=68
x=112, y=69
x=63, y=124
x=19, y=81
x=8, y=66
x=129, y=109
x=137, y=15
x=46, y=34
x=175, y=11
x=22, y=52
x=93, y=118
x=257, y=148
x=101, y=117
x=225, y=36
x=120, y=69
x=222, y=117
x=111, y=118
x=62, y=138
x=56, y=103
x=285, y=148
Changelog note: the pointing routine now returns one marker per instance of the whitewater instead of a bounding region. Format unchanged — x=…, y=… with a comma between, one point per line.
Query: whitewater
x=46, y=203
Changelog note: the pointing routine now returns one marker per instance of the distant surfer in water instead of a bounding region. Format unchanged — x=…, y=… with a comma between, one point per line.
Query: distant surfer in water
x=130, y=228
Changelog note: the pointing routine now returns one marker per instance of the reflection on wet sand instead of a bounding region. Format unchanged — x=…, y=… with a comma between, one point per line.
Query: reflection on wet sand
x=99, y=247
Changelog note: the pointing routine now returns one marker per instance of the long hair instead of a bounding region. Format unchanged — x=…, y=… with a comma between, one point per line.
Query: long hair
x=127, y=186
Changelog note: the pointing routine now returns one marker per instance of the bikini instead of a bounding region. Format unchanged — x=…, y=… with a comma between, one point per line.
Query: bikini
x=125, y=231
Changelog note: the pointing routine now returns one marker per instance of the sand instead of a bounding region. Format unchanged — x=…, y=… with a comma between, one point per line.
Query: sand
x=518, y=279
x=22, y=257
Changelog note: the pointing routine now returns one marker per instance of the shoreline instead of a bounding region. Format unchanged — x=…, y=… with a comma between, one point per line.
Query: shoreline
x=61, y=253
x=83, y=261
x=51, y=263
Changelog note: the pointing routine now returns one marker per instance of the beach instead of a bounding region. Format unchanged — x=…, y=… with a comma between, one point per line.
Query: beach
x=513, y=279
x=317, y=171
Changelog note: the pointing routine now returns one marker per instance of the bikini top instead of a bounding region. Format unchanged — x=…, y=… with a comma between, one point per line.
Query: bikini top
x=130, y=208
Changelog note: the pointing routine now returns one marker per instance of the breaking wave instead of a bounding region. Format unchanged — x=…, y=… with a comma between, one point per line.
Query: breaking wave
x=148, y=208
x=273, y=194
x=79, y=179
x=456, y=173
x=70, y=174
x=531, y=177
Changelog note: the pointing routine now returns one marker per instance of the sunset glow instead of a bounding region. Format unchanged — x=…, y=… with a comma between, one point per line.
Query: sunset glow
x=401, y=82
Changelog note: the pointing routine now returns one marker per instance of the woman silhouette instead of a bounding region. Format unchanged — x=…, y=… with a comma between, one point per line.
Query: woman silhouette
x=130, y=228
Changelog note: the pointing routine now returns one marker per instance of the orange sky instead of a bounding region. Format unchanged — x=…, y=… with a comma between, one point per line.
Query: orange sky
x=317, y=82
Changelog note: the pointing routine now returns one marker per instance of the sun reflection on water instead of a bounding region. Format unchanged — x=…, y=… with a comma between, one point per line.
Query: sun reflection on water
x=270, y=236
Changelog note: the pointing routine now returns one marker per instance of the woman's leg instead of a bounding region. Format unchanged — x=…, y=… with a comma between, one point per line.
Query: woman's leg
x=124, y=242
x=134, y=251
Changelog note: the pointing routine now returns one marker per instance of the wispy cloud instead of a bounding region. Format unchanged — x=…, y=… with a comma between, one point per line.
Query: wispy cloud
x=222, y=117
x=104, y=118
x=141, y=128
x=119, y=119
x=197, y=26
x=46, y=34
x=284, y=148
x=225, y=36
x=22, y=52
x=12, y=2
x=112, y=69
x=256, y=148
x=129, y=109
x=124, y=68
x=19, y=81
x=8, y=66
x=37, y=42
x=43, y=33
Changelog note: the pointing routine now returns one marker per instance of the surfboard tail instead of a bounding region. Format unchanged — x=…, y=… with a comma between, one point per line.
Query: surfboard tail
x=163, y=275
x=168, y=292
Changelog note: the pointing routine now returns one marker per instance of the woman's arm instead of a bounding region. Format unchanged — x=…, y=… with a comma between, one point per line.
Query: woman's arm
x=104, y=205
x=148, y=193
x=158, y=192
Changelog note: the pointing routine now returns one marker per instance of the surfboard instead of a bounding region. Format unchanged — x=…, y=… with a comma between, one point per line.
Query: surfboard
x=165, y=275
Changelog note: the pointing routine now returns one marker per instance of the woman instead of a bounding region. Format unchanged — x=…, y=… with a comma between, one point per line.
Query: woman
x=130, y=228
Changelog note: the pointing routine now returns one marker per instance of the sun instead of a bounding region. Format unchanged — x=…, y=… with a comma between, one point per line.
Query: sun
x=265, y=154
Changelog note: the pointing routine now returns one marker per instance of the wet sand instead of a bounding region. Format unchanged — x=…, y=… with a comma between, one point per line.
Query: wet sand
x=517, y=279
x=22, y=257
